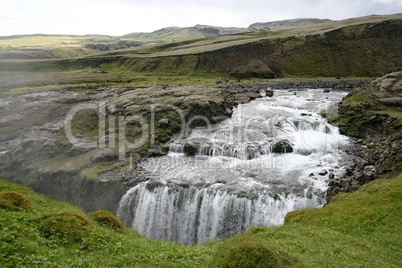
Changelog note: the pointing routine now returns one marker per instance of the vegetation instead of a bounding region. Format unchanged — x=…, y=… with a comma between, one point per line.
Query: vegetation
x=14, y=201
x=245, y=253
x=357, y=229
x=67, y=227
x=57, y=234
x=107, y=219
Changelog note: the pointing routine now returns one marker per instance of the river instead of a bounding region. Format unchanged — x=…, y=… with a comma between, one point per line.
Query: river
x=274, y=155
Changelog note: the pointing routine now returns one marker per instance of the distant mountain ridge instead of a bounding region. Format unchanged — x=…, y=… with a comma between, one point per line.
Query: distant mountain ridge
x=203, y=31
x=287, y=23
x=185, y=33
x=195, y=32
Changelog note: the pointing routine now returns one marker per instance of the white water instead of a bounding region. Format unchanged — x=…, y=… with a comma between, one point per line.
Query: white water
x=236, y=181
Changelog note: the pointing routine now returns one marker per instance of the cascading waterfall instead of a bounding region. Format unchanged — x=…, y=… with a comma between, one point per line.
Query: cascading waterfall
x=250, y=170
x=191, y=215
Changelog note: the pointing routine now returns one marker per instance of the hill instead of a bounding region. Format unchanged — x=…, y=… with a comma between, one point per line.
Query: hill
x=275, y=25
x=186, y=33
x=359, y=47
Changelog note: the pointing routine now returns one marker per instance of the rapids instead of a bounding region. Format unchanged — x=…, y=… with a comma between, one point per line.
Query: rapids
x=271, y=157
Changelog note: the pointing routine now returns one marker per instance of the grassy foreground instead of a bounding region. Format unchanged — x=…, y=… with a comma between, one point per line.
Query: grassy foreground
x=361, y=229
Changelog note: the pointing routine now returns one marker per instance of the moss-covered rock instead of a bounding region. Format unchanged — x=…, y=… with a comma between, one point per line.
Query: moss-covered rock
x=107, y=219
x=14, y=201
x=190, y=149
x=70, y=226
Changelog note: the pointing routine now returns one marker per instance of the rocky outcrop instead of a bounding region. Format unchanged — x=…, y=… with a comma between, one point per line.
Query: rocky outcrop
x=238, y=94
x=376, y=126
x=95, y=177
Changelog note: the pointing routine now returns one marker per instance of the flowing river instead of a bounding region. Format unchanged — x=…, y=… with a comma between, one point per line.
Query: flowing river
x=274, y=155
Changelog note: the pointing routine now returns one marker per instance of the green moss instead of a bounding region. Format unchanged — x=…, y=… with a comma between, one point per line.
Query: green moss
x=14, y=201
x=245, y=254
x=68, y=227
x=92, y=173
x=190, y=150
x=294, y=216
x=323, y=113
x=257, y=229
x=86, y=123
x=105, y=218
x=164, y=136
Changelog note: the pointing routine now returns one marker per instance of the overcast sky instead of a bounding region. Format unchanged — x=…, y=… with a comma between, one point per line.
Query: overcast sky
x=119, y=17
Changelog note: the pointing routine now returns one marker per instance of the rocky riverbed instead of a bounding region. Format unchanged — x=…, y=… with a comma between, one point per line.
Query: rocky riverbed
x=375, y=122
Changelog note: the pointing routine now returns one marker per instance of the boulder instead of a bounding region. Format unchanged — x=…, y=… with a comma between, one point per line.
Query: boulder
x=154, y=152
x=269, y=93
x=369, y=171
x=323, y=172
x=283, y=146
x=361, y=164
x=392, y=101
x=191, y=149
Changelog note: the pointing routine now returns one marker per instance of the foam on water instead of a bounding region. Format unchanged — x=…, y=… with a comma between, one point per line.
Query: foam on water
x=237, y=180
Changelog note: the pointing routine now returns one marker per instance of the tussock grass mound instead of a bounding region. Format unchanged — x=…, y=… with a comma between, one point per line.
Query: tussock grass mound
x=294, y=216
x=107, y=219
x=256, y=229
x=14, y=201
x=248, y=251
x=71, y=227
x=245, y=254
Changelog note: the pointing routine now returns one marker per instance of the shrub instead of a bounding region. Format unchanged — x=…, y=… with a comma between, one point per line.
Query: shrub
x=107, y=219
x=14, y=201
x=67, y=225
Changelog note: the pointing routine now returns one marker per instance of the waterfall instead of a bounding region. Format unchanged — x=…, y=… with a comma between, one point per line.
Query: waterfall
x=194, y=216
x=249, y=170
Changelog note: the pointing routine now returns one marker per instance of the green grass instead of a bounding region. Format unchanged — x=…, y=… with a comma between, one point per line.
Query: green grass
x=349, y=232
x=360, y=229
x=28, y=240
x=16, y=83
x=92, y=172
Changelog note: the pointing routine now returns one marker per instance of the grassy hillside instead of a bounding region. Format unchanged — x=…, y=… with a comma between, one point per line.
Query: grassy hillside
x=360, y=47
x=49, y=233
x=355, y=230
